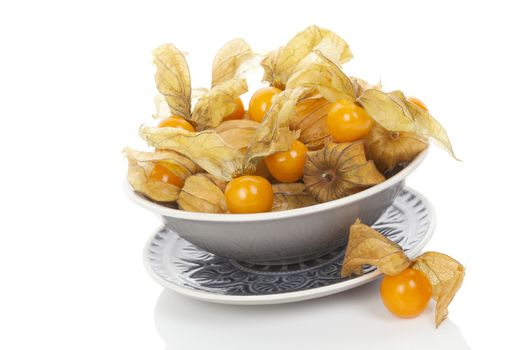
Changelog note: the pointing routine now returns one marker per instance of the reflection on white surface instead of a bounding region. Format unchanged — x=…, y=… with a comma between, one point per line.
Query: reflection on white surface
x=355, y=319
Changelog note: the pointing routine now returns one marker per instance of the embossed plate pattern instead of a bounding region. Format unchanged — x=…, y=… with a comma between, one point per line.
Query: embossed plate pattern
x=181, y=266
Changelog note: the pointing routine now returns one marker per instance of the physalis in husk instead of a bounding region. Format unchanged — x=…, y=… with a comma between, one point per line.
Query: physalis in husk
x=338, y=170
x=313, y=133
x=408, y=283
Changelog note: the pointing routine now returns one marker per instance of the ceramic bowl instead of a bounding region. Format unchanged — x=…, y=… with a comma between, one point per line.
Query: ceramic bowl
x=286, y=236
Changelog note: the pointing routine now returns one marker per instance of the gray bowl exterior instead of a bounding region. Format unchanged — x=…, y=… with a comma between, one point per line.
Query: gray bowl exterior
x=288, y=239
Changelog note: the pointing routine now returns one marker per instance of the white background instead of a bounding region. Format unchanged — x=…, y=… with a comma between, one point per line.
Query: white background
x=76, y=81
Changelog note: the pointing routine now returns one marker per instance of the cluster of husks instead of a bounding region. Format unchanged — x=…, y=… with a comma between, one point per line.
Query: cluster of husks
x=308, y=70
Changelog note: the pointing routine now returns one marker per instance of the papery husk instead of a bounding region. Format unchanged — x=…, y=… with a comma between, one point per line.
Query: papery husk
x=202, y=193
x=361, y=85
x=310, y=120
x=446, y=276
x=173, y=79
x=429, y=127
x=205, y=148
x=162, y=109
x=229, y=59
x=393, y=112
x=261, y=169
x=273, y=135
x=326, y=77
x=291, y=196
x=280, y=64
x=218, y=103
x=388, y=110
x=366, y=246
x=339, y=170
x=140, y=166
x=391, y=148
x=237, y=133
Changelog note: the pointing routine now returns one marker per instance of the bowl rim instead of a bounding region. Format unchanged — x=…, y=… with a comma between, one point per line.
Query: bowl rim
x=316, y=208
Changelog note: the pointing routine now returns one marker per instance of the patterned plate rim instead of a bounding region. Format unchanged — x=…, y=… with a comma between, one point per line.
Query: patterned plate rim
x=287, y=297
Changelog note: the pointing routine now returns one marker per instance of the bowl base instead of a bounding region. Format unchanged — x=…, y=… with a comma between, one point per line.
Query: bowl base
x=294, y=264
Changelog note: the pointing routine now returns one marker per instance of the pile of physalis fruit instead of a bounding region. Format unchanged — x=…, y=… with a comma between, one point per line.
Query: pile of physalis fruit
x=312, y=135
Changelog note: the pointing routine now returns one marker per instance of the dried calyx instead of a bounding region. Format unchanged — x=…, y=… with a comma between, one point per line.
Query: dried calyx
x=338, y=170
x=202, y=193
x=310, y=120
x=291, y=196
x=281, y=64
x=389, y=149
x=141, y=165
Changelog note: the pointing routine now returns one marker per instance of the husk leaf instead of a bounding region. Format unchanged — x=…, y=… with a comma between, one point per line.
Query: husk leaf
x=279, y=65
x=218, y=103
x=325, y=76
x=366, y=246
x=290, y=196
x=269, y=63
x=429, y=127
x=237, y=133
x=228, y=60
x=173, y=79
x=310, y=120
x=202, y=193
x=206, y=148
x=339, y=170
x=446, y=276
x=395, y=113
x=388, y=110
x=162, y=109
x=273, y=134
x=390, y=148
x=361, y=86
x=140, y=165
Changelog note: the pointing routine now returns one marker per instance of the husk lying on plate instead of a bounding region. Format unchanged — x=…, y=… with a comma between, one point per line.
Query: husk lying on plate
x=367, y=246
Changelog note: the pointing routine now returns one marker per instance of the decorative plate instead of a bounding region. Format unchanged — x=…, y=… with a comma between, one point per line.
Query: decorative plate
x=181, y=266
